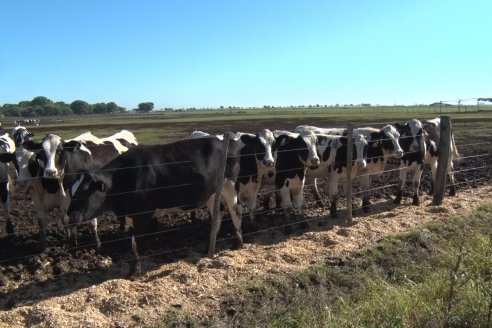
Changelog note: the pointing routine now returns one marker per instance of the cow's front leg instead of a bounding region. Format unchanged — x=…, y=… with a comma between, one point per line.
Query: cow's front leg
x=365, y=182
x=285, y=201
x=333, y=194
x=399, y=192
x=94, y=231
x=229, y=194
x=416, y=184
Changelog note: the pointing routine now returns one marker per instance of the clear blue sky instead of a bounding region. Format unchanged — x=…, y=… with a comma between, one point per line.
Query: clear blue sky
x=201, y=53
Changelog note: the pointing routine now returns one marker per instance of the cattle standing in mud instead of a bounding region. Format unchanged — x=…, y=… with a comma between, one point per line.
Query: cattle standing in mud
x=38, y=167
x=179, y=176
x=412, y=141
x=296, y=152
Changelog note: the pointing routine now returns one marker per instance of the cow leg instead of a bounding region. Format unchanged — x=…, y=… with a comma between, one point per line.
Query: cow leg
x=298, y=198
x=250, y=194
x=214, y=228
x=399, y=193
x=137, y=228
x=229, y=194
x=433, y=165
x=365, y=182
x=312, y=183
x=94, y=231
x=416, y=184
x=333, y=193
x=285, y=201
x=452, y=187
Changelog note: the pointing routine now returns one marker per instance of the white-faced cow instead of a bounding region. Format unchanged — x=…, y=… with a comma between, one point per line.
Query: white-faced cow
x=258, y=154
x=45, y=165
x=382, y=144
x=296, y=152
x=179, y=176
x=7, y=150
x=433, y=129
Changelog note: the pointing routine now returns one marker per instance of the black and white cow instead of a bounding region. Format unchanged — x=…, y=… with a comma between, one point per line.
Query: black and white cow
x=45, y=165
x=296, y=152
x=433, y=130
x=413, y=142
x=179, y=176
x=337, y=172
x=382, y=144
x=7, y=150
x=258, y=154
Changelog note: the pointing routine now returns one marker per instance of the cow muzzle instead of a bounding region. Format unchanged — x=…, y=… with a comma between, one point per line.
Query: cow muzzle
x=361, y=164
x=268, y=163
x=398, y=154
x=50, y=173
x=314, y=163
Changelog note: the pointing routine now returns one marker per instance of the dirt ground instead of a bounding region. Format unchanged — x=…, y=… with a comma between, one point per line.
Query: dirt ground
x=80, y=287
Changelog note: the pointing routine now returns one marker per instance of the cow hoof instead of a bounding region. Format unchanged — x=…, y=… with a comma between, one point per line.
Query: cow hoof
x=303, y=225
x=9, y=228
x=288, y=230
x=416, y=200
x=334, y=215
x=135, y=272
x=452, y=191
x=366, y=206
x=397, y=200
x=320, y=204
x=238, y=244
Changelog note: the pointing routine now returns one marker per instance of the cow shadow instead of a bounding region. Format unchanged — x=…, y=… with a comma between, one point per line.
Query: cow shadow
x=58, y=271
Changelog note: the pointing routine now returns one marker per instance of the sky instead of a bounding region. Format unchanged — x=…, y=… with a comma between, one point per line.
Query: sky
x=197, y=53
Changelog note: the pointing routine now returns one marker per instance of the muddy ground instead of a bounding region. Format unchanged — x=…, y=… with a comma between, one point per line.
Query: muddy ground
x=81, y=287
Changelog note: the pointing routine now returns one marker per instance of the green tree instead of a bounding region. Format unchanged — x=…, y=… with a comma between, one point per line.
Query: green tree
x=80, y=107
x=145, y=107
x=41, y=101
x=100, y=108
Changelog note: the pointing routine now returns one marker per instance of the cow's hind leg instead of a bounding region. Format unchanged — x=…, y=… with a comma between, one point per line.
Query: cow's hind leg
x=452, y=186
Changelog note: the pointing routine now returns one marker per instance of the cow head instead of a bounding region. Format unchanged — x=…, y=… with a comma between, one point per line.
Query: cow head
x=303, y=144
x=411, y=136
x=7, y=148
x=390, y=142
x=20, y=135
x=360, y=151
x=87, y=194
x=263, y=146
x=47, y=151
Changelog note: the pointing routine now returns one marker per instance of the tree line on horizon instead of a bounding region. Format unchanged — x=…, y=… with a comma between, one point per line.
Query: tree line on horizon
x=43, y=106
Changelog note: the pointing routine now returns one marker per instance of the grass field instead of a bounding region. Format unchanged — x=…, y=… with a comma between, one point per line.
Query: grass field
x=439, y=275
x=161, y=127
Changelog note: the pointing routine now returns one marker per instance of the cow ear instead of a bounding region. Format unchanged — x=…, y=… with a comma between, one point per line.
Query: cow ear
x=101, y=186
x=32, y=146
x=336, y=143
x=245, y=138
x=282, y=139
x=6, y=157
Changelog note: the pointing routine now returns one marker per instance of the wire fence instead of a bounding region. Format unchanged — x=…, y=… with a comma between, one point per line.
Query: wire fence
x=389, y=172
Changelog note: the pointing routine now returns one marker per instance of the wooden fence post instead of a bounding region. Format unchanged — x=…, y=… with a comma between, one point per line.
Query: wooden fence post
x=348, y=189
x=216, y=218
x=443, y=151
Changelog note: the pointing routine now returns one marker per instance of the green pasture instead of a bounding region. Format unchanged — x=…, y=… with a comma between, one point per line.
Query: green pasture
x=166, y=126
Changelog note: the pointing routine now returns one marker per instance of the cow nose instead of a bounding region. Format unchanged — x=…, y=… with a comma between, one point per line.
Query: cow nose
x=315, y=161
x=399, y=153
x=362, y=164
x=50, y=172
x=268, y=163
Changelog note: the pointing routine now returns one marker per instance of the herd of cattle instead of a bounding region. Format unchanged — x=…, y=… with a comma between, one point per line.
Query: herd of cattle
x=87, y=175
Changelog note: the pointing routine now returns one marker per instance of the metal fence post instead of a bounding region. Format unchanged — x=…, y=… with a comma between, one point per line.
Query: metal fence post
x=348, y=188
x=216, y=218
x=443, y=151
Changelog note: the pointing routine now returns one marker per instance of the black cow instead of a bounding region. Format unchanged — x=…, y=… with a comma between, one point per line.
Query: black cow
x=179, y=176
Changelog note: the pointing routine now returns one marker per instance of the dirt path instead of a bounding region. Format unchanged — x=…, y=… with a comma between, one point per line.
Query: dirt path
x=196, y=285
